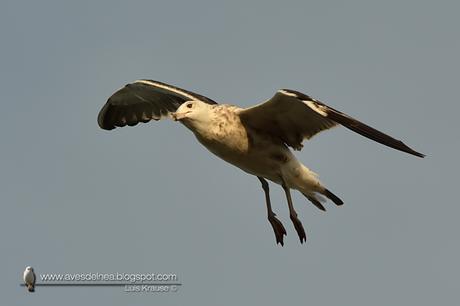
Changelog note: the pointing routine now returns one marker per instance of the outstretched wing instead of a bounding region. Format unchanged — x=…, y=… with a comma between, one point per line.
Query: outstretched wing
x=293, y=116
x=143, y=101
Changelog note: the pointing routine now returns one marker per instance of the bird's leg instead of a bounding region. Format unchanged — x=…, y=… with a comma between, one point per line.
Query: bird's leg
x=293, y=214
x=278, y=227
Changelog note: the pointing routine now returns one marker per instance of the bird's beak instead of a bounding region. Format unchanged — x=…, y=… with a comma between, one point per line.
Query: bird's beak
x=178, y=116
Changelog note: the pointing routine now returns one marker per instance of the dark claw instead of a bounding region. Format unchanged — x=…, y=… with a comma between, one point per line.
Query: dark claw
x=299, y=228
x=278, y=228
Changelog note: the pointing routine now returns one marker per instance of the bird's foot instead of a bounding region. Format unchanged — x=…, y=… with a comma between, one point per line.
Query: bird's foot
x=299, y=228
x=278, y=228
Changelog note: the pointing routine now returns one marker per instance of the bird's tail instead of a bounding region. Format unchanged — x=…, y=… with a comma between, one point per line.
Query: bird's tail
x=31, y=288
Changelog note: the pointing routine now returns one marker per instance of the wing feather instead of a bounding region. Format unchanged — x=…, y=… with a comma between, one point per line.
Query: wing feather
x=294, y=116
x=142, y=101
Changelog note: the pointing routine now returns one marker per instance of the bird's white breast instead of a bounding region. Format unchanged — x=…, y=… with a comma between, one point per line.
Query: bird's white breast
x=28, y=277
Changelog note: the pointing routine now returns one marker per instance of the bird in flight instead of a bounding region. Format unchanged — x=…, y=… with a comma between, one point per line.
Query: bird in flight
x=254, y=139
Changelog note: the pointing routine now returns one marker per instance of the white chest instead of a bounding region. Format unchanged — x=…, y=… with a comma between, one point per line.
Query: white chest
x=29, y=277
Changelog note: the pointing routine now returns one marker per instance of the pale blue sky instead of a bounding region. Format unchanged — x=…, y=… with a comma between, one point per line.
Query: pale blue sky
x=76, y=198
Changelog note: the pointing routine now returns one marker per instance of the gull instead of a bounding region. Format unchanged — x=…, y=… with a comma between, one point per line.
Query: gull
x=29, y=278
x=254, y=139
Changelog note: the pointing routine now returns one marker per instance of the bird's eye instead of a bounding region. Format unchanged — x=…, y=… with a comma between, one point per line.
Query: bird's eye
x=189, y=105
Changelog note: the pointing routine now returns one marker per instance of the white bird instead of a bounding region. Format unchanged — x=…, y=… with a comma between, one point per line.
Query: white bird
x=29, y=278
x=255, y=139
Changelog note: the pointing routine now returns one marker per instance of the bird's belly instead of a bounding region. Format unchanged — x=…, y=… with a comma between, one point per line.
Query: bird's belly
x=28, y=277
x=274, y=162
x=265, y=161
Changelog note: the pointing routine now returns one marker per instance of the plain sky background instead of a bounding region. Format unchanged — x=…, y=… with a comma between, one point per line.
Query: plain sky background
x=75, y=198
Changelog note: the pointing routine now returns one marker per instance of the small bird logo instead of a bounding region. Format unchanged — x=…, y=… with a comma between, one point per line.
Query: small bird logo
x=29, y=278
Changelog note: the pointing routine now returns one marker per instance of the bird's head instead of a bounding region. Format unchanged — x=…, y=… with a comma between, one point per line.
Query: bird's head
x=193, y=114
x=29, y=268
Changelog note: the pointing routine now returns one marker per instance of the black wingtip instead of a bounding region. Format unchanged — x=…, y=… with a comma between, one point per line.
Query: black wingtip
x=101, y=124
x=405, y=148
x=102, y=118
x=417, y=154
